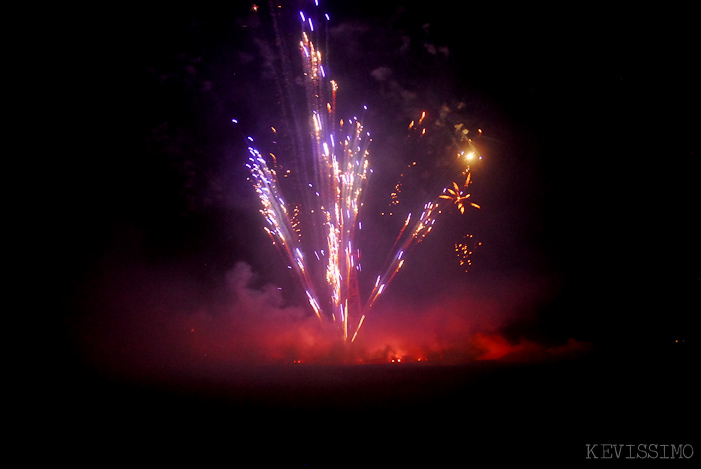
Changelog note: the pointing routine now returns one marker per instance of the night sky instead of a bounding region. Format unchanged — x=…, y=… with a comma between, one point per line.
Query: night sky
x=152, y=259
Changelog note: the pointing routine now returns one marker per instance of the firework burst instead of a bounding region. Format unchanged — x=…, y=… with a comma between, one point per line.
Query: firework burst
x=457, y=195
x=316, y=237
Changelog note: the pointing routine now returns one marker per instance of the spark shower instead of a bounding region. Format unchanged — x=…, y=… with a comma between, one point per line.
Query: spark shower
x=311, y=202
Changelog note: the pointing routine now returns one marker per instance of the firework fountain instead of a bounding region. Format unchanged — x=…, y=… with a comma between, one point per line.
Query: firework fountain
x=316, y=232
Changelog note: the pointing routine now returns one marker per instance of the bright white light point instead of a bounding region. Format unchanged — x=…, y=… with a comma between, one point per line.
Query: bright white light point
x=302, y=15
x=250, y=138
x=470, y=155
x=365, y=107
x=327, y=17
x=235, y=121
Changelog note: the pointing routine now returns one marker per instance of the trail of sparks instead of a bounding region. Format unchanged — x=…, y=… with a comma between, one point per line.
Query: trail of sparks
x=406, y=240
x=339, y=153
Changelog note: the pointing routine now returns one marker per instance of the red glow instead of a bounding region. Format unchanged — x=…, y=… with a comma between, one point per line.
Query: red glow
x=257, y=327
x=496, y=347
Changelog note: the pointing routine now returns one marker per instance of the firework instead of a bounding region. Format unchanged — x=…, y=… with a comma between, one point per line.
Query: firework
x=316, y=237
x=458, y=196
x=465, y=249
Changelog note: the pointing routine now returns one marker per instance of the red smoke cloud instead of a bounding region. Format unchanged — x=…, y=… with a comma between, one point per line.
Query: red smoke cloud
x=496, y=347
x=152, y=322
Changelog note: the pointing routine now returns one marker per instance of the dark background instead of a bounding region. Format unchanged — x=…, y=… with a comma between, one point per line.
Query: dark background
x=590, y=182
